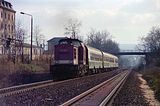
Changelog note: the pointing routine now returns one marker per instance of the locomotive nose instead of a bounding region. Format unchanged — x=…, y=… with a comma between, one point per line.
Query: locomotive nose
x=65, y=54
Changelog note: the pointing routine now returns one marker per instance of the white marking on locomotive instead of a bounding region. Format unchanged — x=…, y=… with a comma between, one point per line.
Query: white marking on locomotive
x=63, y=61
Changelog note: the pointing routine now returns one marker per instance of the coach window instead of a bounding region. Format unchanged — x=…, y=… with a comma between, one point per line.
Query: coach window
x=92, y=58
x=112, y=60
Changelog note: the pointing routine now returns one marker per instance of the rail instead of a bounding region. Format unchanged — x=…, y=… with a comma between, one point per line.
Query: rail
x=27, y=87
x=19, y=88
x=99, y=91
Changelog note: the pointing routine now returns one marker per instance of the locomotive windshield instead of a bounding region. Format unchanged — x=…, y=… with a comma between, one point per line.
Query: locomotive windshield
x=74, y=42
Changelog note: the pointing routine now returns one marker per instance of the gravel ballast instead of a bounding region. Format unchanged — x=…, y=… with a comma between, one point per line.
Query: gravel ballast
x=57, y=93
x=132, y=93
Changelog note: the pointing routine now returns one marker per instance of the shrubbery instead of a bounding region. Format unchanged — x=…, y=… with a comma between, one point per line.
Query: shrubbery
x=152, y=76
x=12, y=73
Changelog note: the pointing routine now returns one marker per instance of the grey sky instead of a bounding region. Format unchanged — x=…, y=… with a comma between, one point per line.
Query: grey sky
x=126, y=20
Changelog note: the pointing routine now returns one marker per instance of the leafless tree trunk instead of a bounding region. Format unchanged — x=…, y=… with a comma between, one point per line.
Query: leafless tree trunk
x=73, y=28
x=39, y=37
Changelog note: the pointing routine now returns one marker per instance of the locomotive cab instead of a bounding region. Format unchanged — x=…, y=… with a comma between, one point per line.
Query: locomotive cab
x=66, y=52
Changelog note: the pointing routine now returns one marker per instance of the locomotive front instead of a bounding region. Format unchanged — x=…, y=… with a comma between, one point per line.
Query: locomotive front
x=67, y=57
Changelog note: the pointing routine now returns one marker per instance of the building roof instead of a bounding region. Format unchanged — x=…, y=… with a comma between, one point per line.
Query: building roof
x=6, y=5
x=55, y=40
x=29, y=45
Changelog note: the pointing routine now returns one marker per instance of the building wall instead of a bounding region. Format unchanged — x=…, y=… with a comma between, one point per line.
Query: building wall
x=50, y=47
x=7, y=22
x=25, y=48
x=36, y=52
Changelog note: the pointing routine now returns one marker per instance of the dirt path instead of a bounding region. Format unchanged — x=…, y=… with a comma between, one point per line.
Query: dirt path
x=135, y=92
x=147, y=92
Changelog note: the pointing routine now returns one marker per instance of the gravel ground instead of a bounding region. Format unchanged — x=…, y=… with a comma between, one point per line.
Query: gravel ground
x=131, y=93
x=55, y=94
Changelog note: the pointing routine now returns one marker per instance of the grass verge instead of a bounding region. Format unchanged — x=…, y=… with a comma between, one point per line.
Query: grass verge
x=152, y=76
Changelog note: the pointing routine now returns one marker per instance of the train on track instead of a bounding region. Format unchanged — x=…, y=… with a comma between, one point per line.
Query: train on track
x=73, y=58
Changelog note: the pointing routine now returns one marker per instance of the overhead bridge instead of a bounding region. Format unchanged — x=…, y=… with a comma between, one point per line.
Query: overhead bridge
x=131, y=52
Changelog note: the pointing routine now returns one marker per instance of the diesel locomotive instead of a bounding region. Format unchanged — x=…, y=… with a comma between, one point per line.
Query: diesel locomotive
x=73, y=58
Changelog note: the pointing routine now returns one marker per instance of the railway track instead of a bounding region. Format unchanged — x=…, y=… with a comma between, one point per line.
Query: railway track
x=21, y=88
x=27, y=87
x=101, y=94
x=49, y=92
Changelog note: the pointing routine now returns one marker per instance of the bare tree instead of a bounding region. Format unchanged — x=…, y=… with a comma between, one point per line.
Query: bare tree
x=151, y=42
x=73, y=28
x=43, y=42
x=21, y=33
x=38, y=36
x=110, y=46
x=102, y=40
x=96, y=38
x=21, y=37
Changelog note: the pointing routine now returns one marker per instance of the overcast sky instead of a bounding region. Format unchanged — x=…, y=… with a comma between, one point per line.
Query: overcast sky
x=126, y=20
